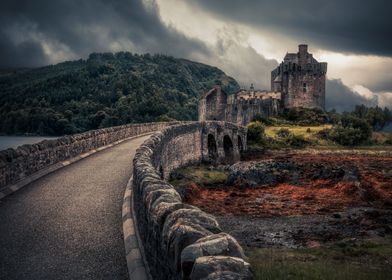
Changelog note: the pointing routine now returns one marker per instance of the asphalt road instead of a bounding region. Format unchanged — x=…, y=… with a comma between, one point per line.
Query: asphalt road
x=68, y=224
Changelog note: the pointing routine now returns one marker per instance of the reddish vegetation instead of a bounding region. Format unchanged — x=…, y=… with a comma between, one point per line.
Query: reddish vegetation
x=373, y=187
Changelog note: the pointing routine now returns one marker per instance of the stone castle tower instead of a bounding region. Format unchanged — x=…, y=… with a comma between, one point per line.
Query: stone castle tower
x=301, y=80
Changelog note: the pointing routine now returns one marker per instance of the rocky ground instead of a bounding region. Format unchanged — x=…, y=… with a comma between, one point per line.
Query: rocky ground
x=309, y=231
x=300, y=199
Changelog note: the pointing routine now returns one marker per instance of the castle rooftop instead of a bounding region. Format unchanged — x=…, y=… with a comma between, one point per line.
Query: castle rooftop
x=257, y=94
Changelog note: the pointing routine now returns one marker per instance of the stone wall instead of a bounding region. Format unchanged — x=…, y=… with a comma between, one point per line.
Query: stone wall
x=212, y=105
x=242, y=112
x=181, y=241
x=306, y=90
x=239, y=108
x=16, y=164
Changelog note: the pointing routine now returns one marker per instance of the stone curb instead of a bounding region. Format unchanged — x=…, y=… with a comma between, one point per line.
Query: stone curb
x=136, y=262
x=45, y=171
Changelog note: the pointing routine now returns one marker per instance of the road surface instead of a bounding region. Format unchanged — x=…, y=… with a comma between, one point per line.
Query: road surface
x=68, y=224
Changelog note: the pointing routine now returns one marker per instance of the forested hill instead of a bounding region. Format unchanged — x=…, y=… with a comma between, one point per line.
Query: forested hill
x=104, y=90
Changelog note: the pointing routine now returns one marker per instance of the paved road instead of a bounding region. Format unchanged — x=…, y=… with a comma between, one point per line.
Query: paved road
x=68, y=224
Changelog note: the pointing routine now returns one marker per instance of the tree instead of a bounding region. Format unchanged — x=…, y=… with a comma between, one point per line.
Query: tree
x=104, y=90
x=376, y=118
x=352, y=131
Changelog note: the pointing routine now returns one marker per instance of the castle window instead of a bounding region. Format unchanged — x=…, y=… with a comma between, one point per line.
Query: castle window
x=304, y=87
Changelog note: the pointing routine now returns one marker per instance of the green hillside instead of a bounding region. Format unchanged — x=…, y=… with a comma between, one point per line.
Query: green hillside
x=104, y=90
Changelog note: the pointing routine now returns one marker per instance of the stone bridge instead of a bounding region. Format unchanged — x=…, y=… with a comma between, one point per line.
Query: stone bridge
x=60, y=204
x=222, y=142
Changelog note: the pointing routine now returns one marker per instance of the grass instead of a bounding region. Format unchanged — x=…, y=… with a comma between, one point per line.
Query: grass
x=199, y=175
x=310, y=134
x=342, y=261
x=297, y=130
x=298, y=137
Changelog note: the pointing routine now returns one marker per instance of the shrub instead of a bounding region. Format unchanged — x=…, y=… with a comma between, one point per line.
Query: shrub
x=255, y=132
x=324, y=133
x=334, y=118
x=352, y=131
x=283, y=133
x=297, y=141
x=388, y=141
x=306, y=116
x=260, y=118
x=345, y=136
x=165, y=118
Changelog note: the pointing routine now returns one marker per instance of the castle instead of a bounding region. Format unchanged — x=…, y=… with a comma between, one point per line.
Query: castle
x=299, y=81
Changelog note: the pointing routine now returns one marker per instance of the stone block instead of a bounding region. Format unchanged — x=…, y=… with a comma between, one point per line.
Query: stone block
x=180, y=236
x=221, y=244
x=168, y=195
x=191, y=217
x=161, y=209
x=220, y=267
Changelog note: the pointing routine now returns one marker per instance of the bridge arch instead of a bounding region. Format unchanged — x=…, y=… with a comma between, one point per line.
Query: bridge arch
x=228, y=148
x=222, y=142
x=212, y=147
x=240, y=144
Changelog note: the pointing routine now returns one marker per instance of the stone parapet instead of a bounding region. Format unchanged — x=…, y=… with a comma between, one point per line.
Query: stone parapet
x=179, y=240
x=17, y=164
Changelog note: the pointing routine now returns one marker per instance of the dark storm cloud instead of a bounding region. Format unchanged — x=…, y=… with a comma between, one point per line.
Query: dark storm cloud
x=241, y=62
x=81, y=27
x=342, y=98
x=39, y=32
x=12, y=55
x=349, y=26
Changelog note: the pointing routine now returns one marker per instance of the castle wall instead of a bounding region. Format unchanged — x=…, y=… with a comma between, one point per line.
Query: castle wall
x=243, y=111
x=305, y=90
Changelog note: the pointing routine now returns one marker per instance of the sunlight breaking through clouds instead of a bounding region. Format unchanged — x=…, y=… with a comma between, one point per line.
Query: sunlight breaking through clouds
x=244, y=48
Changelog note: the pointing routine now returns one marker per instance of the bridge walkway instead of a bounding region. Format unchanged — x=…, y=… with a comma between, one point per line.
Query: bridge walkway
x=68, y=224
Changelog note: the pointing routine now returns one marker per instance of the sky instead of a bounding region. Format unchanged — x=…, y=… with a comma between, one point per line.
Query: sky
x=246, y=39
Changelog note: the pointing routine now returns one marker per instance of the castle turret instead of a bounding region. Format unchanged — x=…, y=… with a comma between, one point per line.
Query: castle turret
x=303, y=49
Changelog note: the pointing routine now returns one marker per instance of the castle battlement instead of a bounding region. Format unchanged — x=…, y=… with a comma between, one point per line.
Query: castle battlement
x=319, y=68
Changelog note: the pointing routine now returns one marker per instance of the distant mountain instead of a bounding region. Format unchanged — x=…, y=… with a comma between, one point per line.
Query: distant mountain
x=104, y=90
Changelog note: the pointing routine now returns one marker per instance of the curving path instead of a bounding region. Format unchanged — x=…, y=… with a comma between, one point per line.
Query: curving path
x=68, y=224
